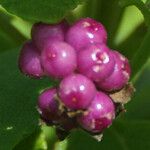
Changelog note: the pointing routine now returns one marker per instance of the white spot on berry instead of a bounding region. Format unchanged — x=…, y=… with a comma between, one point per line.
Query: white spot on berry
x=126, y=74
x=64, y=54
x=109, y=116
x=86, y=24
x=93, y=56
x=102, y=58
x=96, y=68
x=122, y=58
x=90, y=35
x=82, y=87
x=99, y=106
x=105, y=58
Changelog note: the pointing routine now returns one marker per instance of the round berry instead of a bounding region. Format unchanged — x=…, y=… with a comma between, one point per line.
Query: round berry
x=99, y=115
x=84, y=32
x=58, y=59
x=29, y=61
x=42, y=33
x=48, y=105
x=95, y=62
x=76, y=91
x=120, y=75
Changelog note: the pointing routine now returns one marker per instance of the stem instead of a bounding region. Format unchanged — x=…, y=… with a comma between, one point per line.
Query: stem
x=140, y=5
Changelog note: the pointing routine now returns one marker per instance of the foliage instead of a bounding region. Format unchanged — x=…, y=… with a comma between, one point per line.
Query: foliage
x=19, y=120
x=38, y=10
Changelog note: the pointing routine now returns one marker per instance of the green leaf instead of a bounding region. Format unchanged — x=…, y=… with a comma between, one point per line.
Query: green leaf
x=110, y=14
x=128, y=46
x=142, y=55
x=9, y=36
x=138, y=107
x=50, y=11
x=130, y=20
x=18, y=98
x=35, y=141
x=6, y=41
x=122, y=135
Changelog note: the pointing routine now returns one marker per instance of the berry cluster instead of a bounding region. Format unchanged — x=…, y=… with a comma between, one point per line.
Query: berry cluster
x=88, y=70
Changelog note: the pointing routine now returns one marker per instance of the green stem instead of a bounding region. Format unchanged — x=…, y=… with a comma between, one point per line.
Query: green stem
x=140, y=5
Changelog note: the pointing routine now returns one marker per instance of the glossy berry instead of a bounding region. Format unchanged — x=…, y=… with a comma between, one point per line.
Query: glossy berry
x=76, y=91
x=58, y=59
x=99, y=115
x=95, y=62
x=84, y=32
x=48, y=105
x=120, y=75
x=29, y=61
x=42, y=33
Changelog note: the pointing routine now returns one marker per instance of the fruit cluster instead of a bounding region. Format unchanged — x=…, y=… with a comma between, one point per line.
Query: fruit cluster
x=88, y=70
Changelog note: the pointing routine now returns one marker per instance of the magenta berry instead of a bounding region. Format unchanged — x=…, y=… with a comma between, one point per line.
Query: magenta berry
x=43, y=33
x=79, y=59
x=84, y=32
x=58, y=59
x=120, y=75
x=48, y=105
x=76, y=91
x=95, y=62
x=29, y=61
x=99, y=115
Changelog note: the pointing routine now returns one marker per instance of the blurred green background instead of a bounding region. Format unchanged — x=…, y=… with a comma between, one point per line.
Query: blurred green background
x=19, y=128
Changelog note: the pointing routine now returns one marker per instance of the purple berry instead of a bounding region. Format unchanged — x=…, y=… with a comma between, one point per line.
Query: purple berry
x=120, y=75
x=42, y=33
x=99, y=115
x=76, y=91
x=95, y=62
x=29, y=61
x=84, y=32
x=58, y=59
x=48, y=105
